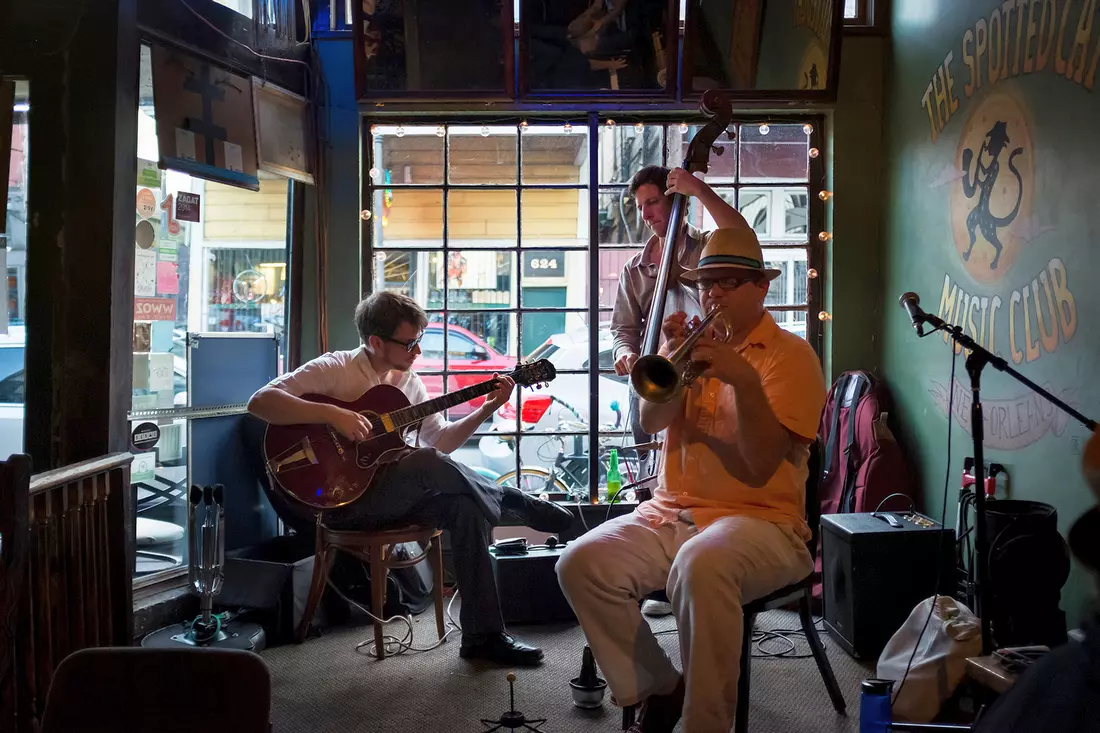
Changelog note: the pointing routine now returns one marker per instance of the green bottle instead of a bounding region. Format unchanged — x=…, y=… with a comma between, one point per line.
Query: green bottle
x=614, y=480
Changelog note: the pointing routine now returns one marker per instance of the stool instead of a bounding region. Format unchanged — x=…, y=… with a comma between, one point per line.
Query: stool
x=376, y=549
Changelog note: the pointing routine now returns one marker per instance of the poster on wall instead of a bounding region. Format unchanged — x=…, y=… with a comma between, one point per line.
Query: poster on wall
x=282, y=124
x=205, y=119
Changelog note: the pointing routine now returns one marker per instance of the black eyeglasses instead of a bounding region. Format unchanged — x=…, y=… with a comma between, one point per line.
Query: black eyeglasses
x=409, y=345
x=729, y=284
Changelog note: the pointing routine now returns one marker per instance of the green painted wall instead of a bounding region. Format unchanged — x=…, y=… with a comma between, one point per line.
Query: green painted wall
x=973, y=82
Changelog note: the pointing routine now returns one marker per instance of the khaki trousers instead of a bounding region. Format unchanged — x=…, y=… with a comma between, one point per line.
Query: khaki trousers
x=708, y=574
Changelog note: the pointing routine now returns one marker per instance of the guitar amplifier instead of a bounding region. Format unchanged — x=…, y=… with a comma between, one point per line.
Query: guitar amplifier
x=875, y=572
x=528, y=588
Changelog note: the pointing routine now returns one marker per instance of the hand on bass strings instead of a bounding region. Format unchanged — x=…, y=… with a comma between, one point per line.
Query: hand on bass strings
x=351, y=425
x=684, y=181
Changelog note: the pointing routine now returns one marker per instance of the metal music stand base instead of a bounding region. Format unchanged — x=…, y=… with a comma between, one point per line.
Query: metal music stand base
x=232, y=635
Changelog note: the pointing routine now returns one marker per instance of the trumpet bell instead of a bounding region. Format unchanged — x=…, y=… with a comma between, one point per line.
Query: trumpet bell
x=655, y=378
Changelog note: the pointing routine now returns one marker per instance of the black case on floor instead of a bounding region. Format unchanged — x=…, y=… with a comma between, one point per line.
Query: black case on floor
x=874, y=574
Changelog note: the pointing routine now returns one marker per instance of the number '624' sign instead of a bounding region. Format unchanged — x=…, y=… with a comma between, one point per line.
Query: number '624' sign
x=544, y=263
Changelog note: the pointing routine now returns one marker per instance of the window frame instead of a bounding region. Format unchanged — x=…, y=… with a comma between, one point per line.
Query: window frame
x=594, y=121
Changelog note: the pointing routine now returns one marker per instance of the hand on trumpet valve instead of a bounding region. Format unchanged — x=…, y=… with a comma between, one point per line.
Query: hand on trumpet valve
x=714, y=359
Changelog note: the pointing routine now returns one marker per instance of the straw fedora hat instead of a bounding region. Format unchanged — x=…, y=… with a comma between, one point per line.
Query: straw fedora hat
x=727, y=248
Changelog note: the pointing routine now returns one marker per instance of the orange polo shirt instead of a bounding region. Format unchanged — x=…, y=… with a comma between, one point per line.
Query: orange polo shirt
x=697, y=466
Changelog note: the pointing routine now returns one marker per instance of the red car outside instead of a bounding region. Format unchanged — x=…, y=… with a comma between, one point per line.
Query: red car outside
x=468, y=352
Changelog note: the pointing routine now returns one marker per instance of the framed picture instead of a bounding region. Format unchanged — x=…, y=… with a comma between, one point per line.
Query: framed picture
x=283, y=130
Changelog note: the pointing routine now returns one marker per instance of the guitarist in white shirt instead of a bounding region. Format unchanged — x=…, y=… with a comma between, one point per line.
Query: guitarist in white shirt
x=426, y=485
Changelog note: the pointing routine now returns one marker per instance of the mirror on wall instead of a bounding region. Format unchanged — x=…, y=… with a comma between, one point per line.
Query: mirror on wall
x=774, y=48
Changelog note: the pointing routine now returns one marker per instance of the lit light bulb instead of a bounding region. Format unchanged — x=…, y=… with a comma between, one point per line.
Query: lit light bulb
x=523, y=125
x=811, y=273
x=814, y=152
x=764, y=129
x=808, y=129
x=611, y=123
x=824, y=316
x=380, y=256
x=373, y=129
x=568, y=127
x=639, y=127
x=374, y=172
x=440, y=131
x=400, y=132
x=825, y=195
x=365, y=214
x=485, y=131
x=683, y=127
x=825, y=236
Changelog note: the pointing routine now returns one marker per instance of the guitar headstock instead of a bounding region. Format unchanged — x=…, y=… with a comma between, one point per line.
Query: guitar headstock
x=529, y=375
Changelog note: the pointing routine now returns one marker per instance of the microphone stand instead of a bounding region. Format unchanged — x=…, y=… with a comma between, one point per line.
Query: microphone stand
x=976, y=362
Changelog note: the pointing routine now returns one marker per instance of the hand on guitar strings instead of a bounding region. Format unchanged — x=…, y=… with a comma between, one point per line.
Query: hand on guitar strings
x=351, y=425
x=500, y=395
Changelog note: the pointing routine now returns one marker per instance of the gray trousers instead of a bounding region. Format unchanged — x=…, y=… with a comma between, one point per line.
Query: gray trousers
x=428, y=487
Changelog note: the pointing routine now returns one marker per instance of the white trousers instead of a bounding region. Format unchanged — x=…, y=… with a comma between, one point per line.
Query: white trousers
x=707, y=574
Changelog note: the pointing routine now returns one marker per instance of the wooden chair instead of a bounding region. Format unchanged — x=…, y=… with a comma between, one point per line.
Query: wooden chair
x=800, y=593
x=376, y=549
x=113, y=689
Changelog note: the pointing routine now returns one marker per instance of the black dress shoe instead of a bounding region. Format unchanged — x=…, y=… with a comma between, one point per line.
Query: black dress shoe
x=533, y=512
x=502, y=648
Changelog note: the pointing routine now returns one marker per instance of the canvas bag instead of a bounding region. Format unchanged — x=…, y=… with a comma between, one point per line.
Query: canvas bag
x=953, y=634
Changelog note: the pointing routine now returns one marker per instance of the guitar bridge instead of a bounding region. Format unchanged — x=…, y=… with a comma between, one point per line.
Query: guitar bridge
x=291, y=457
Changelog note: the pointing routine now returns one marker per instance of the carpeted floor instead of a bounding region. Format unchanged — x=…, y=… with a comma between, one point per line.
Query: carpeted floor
x=326, y=685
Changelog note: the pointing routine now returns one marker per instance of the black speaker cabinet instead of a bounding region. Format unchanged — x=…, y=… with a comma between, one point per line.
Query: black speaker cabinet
x=874, y=574
x=528, y=588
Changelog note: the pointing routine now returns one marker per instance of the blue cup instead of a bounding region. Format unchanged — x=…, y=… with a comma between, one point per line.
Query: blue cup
x=874, y=705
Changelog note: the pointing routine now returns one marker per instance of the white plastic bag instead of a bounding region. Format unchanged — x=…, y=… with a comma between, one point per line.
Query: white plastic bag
x=953, y=634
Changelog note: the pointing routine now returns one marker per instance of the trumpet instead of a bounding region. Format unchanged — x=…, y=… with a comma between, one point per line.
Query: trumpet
x=658, y=378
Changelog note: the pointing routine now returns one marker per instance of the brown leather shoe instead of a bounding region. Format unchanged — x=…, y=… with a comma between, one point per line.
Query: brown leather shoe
x=660, y=713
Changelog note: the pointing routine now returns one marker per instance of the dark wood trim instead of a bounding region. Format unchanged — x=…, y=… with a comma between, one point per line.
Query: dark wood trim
x=508, y=43
x=863, y=15
x=171, y=23
x=296, y=241
x=817, y=255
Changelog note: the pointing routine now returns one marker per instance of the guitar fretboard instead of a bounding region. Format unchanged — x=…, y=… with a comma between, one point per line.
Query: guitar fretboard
x=415, y=413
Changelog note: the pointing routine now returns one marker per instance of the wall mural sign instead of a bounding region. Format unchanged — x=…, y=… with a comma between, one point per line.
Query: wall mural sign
x=991, y=193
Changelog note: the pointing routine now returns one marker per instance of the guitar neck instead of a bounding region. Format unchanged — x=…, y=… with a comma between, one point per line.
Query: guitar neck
x=415, y=413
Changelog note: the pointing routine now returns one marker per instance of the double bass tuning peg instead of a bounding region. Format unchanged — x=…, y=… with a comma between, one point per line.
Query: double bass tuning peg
x=717, y=150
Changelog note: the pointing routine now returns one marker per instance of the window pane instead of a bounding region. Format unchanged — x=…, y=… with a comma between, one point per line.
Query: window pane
x=444, y=47
x=609, y=46
x=790, y=288
x=244, y=7
x=410, y=155
x=755, y=206
x=555, y=154
x=407, y=217
x=780, y=154
x=624, y=149
x=543, y=334
x=554, y=217
x=620, y=220
x=612, y=262
x=796, y=211
x=554, y=278
x=851, y=8
x=480, y=279
x=697, y=214
x=482, y=154
x=159, y=480
x=416, y=274
x=481, y=218
x=13, y=234
x=722, y=167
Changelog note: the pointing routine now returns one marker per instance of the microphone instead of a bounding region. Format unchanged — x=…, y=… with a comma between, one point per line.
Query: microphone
x=910, y=302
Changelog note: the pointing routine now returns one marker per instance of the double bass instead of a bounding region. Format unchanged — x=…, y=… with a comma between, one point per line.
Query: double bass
x=718, y=108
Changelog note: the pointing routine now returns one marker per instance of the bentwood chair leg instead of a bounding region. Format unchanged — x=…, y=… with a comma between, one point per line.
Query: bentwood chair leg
x=322, y=562
x=378, y=573
x=436, y=556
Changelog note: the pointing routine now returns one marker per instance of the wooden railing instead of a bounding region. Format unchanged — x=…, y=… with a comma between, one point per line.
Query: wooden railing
x=68, y=561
